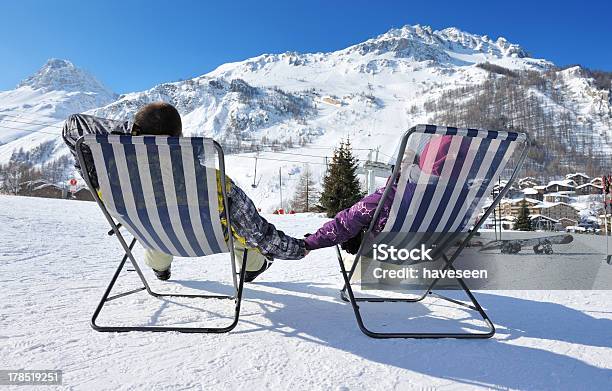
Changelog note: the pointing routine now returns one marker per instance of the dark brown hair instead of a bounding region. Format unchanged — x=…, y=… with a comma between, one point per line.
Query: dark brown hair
x=158, y=119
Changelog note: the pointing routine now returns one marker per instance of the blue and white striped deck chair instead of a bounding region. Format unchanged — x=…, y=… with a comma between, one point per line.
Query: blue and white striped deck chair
x=163, y=190
x=441, y=206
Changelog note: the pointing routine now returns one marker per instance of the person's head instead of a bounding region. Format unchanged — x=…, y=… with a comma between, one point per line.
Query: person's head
x=437, y=151
x=157, y=119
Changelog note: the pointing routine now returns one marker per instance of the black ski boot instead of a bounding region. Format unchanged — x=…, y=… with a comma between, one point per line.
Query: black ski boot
x=162, y=274
x=249, y=276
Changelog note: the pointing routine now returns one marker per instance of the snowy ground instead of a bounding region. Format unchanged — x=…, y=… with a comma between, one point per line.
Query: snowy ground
x=294, y=333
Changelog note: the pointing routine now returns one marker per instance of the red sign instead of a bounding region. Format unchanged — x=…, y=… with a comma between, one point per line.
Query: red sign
x=73, y=182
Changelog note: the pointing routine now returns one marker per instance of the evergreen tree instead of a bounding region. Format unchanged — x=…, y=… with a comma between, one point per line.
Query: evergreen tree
x=340, y=186
x=523, y=221
x=306, y=195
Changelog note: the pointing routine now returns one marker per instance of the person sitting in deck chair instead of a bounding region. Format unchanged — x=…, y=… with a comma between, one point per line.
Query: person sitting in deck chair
x=251, y=231
x=348, y=226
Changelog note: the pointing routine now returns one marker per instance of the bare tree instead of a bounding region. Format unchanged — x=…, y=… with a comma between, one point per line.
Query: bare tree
x=306, y=195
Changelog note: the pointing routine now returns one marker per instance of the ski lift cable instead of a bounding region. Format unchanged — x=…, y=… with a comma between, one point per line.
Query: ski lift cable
x=230, y=144
x=279, y=160
x=240, y=156
x=30, y=123
x=328, y=148
x=297, y=154
x=282, y=152
x=31, y=116
x=292, y=153
x=29, y=120
x=305, y=147
x=382, y=153
x=6, y=127
x=27, y=130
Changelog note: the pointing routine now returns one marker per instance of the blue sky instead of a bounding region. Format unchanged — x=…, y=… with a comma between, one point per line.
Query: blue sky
x=132, y=45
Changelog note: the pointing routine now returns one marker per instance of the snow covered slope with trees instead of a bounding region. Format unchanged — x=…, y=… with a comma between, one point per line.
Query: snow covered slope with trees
x=297, y=107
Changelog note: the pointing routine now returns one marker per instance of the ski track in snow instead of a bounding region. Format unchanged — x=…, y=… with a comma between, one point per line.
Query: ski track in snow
x=294, y=332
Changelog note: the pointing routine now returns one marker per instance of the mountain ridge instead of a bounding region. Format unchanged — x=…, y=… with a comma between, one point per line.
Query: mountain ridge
x=371, y=91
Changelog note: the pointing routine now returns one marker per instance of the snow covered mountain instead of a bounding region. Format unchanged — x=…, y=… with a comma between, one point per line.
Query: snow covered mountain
x=372, y=92
x=224, y=109
x=62, y=75
x=33, y=110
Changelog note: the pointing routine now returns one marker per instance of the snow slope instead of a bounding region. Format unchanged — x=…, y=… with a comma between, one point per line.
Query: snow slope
x=295, y=333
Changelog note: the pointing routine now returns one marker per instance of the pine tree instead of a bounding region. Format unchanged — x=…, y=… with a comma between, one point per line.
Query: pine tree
x=306, y=195
x=341, y=187
x=523, y=221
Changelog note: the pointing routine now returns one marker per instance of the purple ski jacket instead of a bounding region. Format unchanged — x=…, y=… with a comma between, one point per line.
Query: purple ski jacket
x=349, y=222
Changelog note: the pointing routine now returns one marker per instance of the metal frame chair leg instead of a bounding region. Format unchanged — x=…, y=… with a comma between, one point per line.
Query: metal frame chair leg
x=106, y=298
x=475, y=306
x=344, y=297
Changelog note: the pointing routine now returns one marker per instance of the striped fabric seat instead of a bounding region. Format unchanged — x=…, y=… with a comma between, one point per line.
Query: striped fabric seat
x=442, y=189
x=162, y=189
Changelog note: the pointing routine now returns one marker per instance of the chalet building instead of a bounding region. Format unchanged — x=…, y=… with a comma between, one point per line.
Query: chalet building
x=596, y=181
x=40, y=188
x=25, y=188
x=540, y=188
x=498, y=186
x=552, y=210
x=48, y=190
x=83, y=194
x=514, y=192
x=558, y=211
x=554, y=213
x=543, y=223
x=528, y=182
x=578, y=178
x=589, y=188
x=513, y=207
x=506, y=222
x=565, y=222
x=557, y=186
x=530, y=192
x=557, y=197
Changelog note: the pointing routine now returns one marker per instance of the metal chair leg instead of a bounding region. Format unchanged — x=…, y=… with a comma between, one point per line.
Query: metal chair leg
x=106, y=297
x=344, y=297
x=373, y=334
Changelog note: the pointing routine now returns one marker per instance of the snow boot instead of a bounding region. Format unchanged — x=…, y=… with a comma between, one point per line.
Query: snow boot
x=249, y=276
x=162, y=274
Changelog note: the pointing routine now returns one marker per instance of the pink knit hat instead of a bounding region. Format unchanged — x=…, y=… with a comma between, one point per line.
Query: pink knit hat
x=439, y=145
